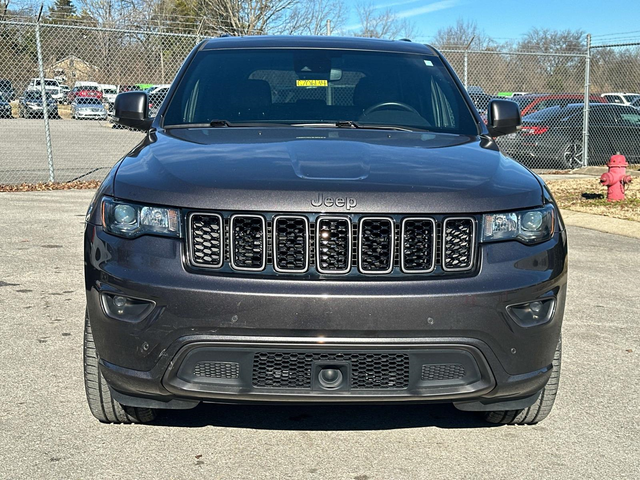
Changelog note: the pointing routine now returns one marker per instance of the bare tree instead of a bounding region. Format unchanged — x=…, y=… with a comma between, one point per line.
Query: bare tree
x=382, y=23
x=309, y=17
x=249, y=17
x=462, y=35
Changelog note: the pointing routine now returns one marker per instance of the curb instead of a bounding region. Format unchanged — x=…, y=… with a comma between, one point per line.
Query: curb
x=615, y=226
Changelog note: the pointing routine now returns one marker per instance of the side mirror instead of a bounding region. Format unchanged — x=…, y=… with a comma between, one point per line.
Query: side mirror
x=132, y=110
x=503, y=117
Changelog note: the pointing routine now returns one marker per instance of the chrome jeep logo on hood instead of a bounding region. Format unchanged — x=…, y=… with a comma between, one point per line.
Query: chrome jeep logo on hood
x=340, y=202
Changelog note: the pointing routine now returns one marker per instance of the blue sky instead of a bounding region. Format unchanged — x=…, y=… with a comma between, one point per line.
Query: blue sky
x=509, y=19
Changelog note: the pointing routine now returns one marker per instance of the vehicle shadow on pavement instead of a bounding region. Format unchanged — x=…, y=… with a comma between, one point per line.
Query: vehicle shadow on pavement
x=322, y=417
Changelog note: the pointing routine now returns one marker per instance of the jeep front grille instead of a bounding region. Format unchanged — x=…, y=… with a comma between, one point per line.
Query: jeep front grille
x=290, y=243
x=318, y=245
x=248, y=237
x=333, y=245
x=206, y=240
x=458, y=244
x=418, y=249
x=375, y=245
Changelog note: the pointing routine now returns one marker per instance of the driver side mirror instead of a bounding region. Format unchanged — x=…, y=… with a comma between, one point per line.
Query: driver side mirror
x=503, y=117
x=132, y=110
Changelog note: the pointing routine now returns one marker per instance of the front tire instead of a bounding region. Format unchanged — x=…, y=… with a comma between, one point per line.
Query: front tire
x=101, y=403
x=541, y=408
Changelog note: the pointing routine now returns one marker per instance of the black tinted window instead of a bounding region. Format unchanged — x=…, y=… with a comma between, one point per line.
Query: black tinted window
x=315, y=86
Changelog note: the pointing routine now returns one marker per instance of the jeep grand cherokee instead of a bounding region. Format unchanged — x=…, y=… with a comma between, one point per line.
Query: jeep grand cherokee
x=321, y=220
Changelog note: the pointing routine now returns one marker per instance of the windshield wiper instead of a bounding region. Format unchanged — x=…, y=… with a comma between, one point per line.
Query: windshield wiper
x=226, y=123
x=353, y=124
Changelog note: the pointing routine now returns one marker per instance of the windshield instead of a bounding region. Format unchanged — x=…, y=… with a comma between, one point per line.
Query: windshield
x=320, y=86
x=631, y=98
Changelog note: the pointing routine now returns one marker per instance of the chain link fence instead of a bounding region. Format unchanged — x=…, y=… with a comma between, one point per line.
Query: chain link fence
x=70, y=74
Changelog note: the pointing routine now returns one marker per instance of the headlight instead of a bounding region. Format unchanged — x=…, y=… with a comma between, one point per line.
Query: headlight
x=528, y=226
x=131, y=220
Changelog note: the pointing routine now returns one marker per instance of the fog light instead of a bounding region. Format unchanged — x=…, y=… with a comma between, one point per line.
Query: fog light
x=533, y=313
x=330, y=378
x=125, y=308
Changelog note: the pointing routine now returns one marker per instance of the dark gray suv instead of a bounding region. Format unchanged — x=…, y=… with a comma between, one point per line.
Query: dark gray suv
x=321, y=220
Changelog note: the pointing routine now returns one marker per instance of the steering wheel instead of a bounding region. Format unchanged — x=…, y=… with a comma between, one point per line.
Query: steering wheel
x=380, y=106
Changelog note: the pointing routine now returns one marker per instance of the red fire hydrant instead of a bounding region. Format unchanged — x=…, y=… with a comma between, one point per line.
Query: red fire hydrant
x=616, y=179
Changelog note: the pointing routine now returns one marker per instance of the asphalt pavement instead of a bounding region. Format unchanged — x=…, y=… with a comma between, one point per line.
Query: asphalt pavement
x=81, y=149
x=46, y=430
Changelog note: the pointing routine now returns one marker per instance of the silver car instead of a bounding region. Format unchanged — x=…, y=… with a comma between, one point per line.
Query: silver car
x=88, y=108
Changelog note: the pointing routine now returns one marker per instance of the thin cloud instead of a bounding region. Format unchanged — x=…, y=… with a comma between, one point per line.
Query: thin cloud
x=395, y=4
x=432, y=7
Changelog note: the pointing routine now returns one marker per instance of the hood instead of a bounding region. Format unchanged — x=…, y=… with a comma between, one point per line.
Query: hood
x=332, y=170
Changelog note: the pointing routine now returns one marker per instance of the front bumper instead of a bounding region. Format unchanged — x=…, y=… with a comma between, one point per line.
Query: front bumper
x=233, y=319
x=91, y=115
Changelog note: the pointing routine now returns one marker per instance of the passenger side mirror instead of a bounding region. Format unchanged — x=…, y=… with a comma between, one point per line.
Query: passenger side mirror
x=503, y=117
x=132, y=110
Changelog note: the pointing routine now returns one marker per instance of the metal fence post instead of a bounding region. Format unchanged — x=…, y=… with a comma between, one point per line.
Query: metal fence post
x=466, y=60
x=45, y=103
x=585, y=120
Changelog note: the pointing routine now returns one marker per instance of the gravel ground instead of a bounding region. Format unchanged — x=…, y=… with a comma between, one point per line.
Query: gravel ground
x=46, y=430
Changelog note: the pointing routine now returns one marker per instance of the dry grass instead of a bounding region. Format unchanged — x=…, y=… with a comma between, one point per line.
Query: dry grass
x=587, y=195
x=48, y=186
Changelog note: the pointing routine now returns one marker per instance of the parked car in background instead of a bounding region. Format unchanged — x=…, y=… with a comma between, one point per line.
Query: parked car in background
x=30, y=105
x=6, y=89
x=156, y=97
x=65, y=89
x=127, y=88
x=535, y=102
x=51, y=85
x=511, y=94
x=553, y=136
x=621, y=98
x=86, y=83
x=474, y=89
x=88, y=108
x=481, y=101
x=5, y=107
x=109, y=93
x=86, y=91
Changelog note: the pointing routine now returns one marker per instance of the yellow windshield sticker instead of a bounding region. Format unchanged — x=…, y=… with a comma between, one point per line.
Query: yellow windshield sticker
x=311, y=83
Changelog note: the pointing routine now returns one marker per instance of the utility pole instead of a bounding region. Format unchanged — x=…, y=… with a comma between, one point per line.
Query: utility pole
x=328, y=28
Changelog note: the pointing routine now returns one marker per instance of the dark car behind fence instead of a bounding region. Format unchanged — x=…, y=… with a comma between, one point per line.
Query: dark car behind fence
x=131, y=58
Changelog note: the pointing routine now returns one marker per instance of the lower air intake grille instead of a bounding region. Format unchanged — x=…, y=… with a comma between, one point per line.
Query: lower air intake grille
x=458, y=244
x=369, y=371
x=248, y=242
x=446, y=371
x=227, y=370
x=333, y=245
x=206, y=247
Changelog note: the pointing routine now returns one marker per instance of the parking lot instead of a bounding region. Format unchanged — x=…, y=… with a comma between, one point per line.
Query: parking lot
x=84, y=149
x=47, y=430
